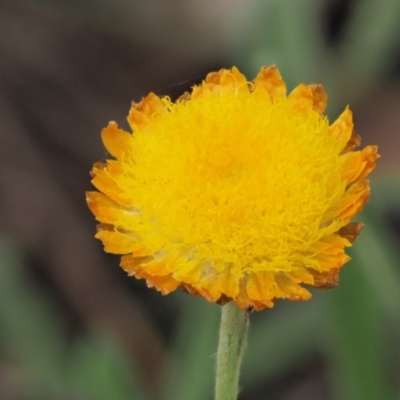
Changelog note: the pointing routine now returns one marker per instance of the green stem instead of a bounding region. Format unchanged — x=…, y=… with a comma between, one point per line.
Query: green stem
x=232, y=340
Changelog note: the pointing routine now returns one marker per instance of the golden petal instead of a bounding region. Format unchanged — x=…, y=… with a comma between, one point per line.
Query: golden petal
x=243, y=301
x=353, y=201
x=223, y=81
x=116, y=141
x=184, y=98
x=214, y=285
x=210, y=293
x=97, y=168
x=214, y=78
x=229, y=283
x=351, y=231
x=141, y=113
x=358, y=164
x=138, y=266
x=301, y=276
x=108, y=211
x=131, y=264
x=342, y=129
x=233, y=81
x=262, y=287
x=331, y=245
x=105, y=178
x=164, y=284
x=320, y=98
x=104, y=182
x=270, y=80
x=327, y=262
x=290, y=289
x=103, y=207
x=302, y=98
x=326, y=279
x=117, y=242
x=353, y=143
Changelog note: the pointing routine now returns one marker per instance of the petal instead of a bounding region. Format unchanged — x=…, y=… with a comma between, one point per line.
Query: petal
x=184, y=98
x=328, y=262
x=164, y=284
x=320, y=98
x=142, y=113
x=213, y=285
x=97, y=202
x=354, y=142
x=351, y=231
x=116, y=242
x=301, y=276
x=108, y=178
x=291, y=290
x=353, y=201
x=137, y=266
x=269, y=79
x=326, y=279
x=104, y=182
x=233, y=81
x=301, y=98
x=330, y=245
x=261, y=287
x=358, y=164
x=223, y=81
x=116, y=141
x=108, y=211
x=229, y=284
x=131, y=264
x=162, y=265
x=342, y=129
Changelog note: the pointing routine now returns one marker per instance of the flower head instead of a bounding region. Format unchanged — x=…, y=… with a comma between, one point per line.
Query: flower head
x=236, y=191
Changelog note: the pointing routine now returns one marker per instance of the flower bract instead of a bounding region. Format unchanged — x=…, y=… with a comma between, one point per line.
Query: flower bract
x=235, y=192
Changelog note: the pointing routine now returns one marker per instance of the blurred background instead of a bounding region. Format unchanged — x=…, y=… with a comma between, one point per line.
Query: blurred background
x=72, y=325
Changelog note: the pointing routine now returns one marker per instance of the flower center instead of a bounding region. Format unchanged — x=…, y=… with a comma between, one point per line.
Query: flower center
x=235, y=179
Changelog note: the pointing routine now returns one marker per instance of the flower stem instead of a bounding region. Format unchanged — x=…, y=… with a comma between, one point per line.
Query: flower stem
x=232, y=340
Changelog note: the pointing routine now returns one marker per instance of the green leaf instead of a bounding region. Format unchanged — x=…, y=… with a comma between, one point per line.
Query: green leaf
x=287, y=33
x=372, y=35
x=357, y=346
x=30, y=325
x=367, y=295
x=34, y=337
x=375, y=251
x=192, y=370
x=99, y=371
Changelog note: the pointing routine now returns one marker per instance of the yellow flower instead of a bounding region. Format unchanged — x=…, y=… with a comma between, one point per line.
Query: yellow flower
x=233, y=192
